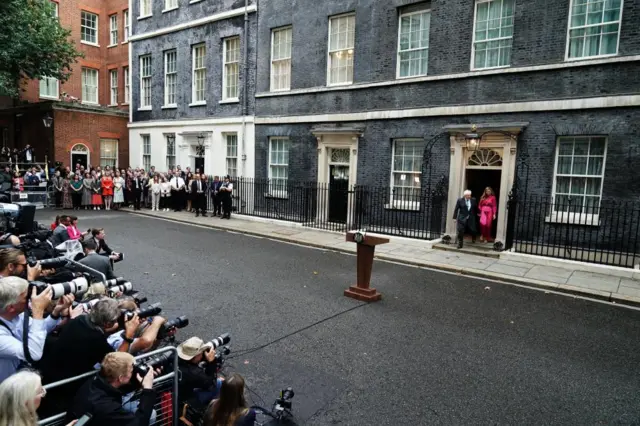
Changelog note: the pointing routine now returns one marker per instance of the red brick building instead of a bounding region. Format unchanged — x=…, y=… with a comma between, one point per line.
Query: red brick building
x=90, y=110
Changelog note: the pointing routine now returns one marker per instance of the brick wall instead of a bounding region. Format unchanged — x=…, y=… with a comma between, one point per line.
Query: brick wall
x=102, y=58
x=73, y=126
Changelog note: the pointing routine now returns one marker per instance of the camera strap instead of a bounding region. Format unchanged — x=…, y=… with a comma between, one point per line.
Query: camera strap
x=25, y=336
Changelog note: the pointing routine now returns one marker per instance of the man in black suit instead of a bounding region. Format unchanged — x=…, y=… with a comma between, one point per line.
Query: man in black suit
x=215, y=196
x=95, y=261
x=136, y=187
x=465, y=215
x=198, y=190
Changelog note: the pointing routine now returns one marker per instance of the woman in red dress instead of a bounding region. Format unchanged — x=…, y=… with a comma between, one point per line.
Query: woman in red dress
x=488, y=208
x=107, y=190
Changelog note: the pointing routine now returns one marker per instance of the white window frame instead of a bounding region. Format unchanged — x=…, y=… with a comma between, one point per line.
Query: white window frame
x=146, y=9
x=278, y=191
x=143, y=80
x=474, y=41
x=83, y=86
x=96, y=29
x=113, y=30
x=170, y=165
x=170, y=5
x=288, y=29
x=114, y=157
x=231, y=159
x=225, y=64
x=127, y=25
x=201, y=47
x=577, y=218
x=48, y=81
x=127, y=91
x=400, y=203
x=329, y=51
x=146, y=155
x=56, y=10
x=113, y=87
x=404, y=15
x=583, y=58
x=173, y=75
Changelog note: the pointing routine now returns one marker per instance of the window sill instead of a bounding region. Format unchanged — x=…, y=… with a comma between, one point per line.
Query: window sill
x=112, y=105
x=89, y=44
x=89, y=103
x=194, y=1
x=125, y=104
x=145, y=108
x=489, y=68
x=125, y=42
x=52, y=98
x=197, y=104
x=112, y=45
x=400, y=206
x=229, y=101
x=140, y=18
x=169, y=107
x=398, y=77
x=280, y=90
x=279, y=195
x=169, y=10
x=350, y=83
x=590, y=58
x=574, y=219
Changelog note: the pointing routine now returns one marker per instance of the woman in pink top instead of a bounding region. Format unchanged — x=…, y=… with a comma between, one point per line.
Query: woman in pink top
x=72, y=230
x=488, y=208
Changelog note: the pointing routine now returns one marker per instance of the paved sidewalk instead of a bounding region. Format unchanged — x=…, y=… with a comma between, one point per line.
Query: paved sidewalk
x=568, y=279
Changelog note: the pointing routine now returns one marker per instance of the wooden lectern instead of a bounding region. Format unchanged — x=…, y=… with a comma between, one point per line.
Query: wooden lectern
x=366, y=249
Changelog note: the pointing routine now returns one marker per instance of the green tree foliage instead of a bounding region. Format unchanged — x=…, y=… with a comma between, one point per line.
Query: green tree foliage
x=32, y=44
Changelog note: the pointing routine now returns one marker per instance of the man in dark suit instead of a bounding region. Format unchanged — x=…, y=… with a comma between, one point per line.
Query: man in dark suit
x=60, y=234
x=465, y=215
x=198, y=190
x=136, y=187
x=95, y=261
x=215, y=196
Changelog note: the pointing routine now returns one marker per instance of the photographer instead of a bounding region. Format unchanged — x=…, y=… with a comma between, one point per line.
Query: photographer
x=95, y=261
x=13, y=303
x=98, y=236
x=148, y=330
x=13, y=263
x=86, y=336
x=198, y=385
x=102, y=396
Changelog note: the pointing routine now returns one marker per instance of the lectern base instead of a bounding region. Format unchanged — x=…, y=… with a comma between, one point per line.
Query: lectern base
x=363, y=294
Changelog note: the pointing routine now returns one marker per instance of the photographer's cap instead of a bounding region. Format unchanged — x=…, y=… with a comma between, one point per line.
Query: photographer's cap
x=191, y=348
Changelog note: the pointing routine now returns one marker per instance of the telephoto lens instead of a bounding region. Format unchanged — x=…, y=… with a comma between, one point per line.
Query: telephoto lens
x=149, y=311
x=76, y=286
x=56, y=262
x=86, y=306
x=139, y=299
x=115, y=281
x=141, y=368
x=169, y=326
x=123, y=288
x=223, y=339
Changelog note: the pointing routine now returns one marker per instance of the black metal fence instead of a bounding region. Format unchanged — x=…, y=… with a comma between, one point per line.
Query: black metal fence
x=336, y=206
x=577, y=228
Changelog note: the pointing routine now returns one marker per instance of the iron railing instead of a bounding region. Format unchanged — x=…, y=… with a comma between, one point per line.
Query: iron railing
x=577, y=229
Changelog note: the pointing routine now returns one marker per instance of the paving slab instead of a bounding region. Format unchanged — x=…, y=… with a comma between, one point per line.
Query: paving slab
x=594, y=281
x=501, y=268
x=626, y=282
x=629, y=291
x=549, y=273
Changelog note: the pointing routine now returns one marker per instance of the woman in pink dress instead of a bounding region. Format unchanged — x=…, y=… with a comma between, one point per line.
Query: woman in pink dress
x=73, y=231
x=488, y=208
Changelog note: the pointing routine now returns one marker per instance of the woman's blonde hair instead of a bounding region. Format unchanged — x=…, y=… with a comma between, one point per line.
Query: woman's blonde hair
x=484, y=193
x=17, y=394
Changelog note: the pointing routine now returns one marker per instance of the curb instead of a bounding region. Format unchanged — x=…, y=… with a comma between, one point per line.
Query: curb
x=471, y=272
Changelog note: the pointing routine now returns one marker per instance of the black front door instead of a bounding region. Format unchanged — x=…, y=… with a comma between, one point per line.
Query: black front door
x=478, y=180
x=78, y=159
x=200, y=164
x=338, y=193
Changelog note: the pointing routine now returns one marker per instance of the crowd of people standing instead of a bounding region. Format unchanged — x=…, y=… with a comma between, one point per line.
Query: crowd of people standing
x=97, y=188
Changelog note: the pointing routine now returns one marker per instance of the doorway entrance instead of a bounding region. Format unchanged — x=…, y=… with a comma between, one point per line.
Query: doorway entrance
x=79, y=155
x=199, y=164
x=477, y=180
x=338, y=193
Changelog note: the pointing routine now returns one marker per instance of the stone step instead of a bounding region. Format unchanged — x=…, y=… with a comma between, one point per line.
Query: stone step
x=478, y=249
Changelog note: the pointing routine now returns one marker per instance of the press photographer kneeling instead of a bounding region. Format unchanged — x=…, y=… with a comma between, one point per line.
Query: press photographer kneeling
x=102, y=396
x=14, y=301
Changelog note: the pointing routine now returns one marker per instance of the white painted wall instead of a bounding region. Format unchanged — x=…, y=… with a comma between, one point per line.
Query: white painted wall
x=186, y=140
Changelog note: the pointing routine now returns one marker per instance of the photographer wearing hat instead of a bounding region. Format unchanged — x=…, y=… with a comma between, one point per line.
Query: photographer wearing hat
x=199, y=384
x=13, y=304
x=102, y=395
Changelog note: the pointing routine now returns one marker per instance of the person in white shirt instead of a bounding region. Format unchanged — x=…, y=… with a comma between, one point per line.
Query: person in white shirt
x=13, y=304
x=165, y=194
x=177, y=192
x=225, y=193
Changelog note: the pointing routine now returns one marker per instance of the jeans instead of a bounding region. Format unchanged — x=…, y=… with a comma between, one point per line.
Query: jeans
x=132, y=406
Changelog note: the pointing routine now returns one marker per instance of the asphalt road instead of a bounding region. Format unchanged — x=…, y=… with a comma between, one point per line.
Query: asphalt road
x=439, y=349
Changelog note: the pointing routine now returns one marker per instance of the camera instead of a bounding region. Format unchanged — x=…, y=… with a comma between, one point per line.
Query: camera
x=223, y=339
x=115, y=281
x=123, y=288
x=86, y=306
x=219, y=360
x=55, y=263
x=76, y=286
x=282, y=405
x=139, y=300
x=149, y=311
x=169, y=326
x=142, y=368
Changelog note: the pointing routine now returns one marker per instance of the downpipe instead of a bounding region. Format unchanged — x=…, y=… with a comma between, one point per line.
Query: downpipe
x=245, y=100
